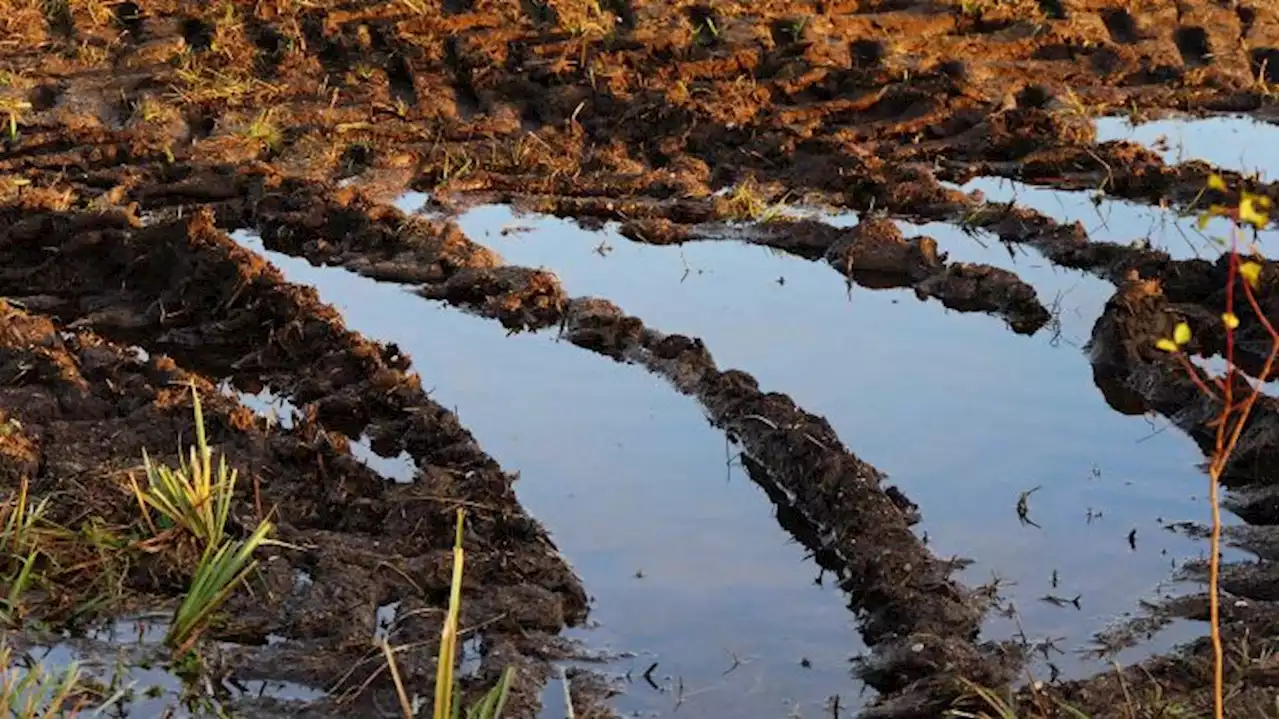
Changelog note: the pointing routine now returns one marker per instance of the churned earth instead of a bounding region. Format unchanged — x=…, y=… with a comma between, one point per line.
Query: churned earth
x=144, y=141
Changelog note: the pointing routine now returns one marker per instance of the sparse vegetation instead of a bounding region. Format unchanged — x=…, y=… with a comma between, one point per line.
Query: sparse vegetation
x=264, y=131
x=19, y=548
x=12, y=110
x=195, y=501
x=32, y=692
x=448, y=703
x=995, y=706
x=745, y=202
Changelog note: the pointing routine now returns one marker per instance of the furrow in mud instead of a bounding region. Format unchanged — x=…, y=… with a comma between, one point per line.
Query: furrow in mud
x=921, y=624
x=186, y=290
x=382, y=243
x=632, y=111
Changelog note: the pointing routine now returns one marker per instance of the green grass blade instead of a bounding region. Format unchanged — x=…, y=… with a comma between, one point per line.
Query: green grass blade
x=492, y=704
x=220, y=572
x=444, y=700
x=21, y=581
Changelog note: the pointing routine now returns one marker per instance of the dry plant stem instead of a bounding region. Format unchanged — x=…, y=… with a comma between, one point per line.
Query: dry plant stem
x=406, y=707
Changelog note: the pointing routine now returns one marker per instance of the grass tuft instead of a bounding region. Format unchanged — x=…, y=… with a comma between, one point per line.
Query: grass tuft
x=18, y=549
x=192, y=497
x=217, y=575
x=997, y=707
x=196, y=500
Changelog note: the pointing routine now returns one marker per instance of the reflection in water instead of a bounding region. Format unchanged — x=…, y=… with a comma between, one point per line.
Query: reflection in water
x=644, y=497
x=129, y=661
x=1242, y=144
x=1122, y=221
x=963, y=414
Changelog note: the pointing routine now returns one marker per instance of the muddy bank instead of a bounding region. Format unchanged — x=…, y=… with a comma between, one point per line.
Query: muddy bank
x=88, y=406
x=344, y=228
x=921, y=624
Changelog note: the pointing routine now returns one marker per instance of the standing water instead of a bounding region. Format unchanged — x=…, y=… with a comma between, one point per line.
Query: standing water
x=690, y=575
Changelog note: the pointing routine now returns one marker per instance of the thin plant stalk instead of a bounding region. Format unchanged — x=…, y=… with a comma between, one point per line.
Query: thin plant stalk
x=447, y=704
x=406, y=706
x=35, y=693
x=443, y=707
x=1227, y=434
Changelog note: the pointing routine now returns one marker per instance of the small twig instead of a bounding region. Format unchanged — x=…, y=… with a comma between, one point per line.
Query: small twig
x=766, y=420
x=648, y=675
x=1124, y=688
x=406, y=707
x=568, y=694
x=1024, y=508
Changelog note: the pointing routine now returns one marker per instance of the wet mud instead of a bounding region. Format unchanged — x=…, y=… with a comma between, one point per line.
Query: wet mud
x=88, y=406
x=138, y=135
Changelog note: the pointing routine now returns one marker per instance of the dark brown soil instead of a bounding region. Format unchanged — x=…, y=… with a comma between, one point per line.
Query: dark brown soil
x=141, y=132
x=88, y=407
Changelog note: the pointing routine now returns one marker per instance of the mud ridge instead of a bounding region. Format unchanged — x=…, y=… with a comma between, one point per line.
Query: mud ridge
x=380, y=242
x=921, y=624
x=186, y=290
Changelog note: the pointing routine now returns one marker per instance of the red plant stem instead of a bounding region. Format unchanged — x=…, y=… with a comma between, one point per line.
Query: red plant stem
x=1215, y=471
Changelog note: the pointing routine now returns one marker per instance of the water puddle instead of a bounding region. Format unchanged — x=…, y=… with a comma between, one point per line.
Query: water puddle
x=126, y=659
x=1177, y=140
x=279, y=412
x=687, y=567
x=385, y=621
x=963, y=414
x=1074, y=298
x=1125, y=222
x=1233, y=142
x=399, y=468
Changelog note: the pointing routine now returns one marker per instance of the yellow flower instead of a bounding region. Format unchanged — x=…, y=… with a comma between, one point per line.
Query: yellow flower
x=1250, y=271
x=1253, y=210
x=1181, y=336
x=1230, y=320
x=1182, y=333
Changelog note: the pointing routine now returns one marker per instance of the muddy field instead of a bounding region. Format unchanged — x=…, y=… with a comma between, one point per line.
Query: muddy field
x=144, y=140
